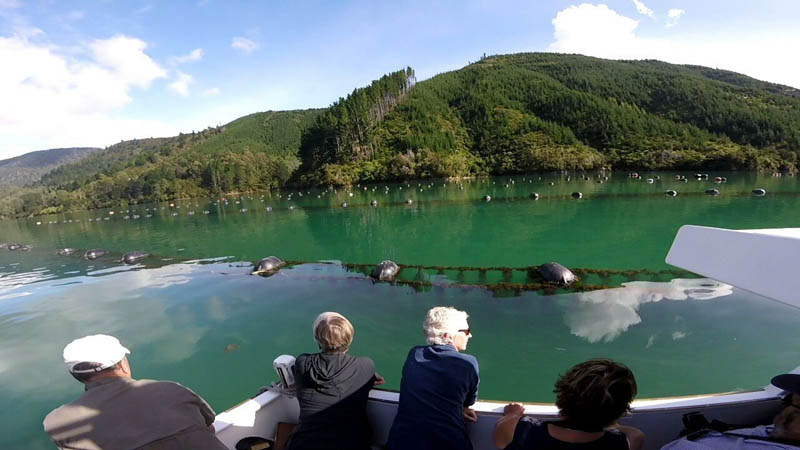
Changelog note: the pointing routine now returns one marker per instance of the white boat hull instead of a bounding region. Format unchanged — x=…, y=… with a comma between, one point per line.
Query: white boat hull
x=659, y=419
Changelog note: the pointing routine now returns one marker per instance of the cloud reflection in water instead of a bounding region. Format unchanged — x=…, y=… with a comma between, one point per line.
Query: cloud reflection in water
x=605, y=314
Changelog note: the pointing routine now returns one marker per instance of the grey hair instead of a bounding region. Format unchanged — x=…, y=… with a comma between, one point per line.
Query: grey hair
x=442, y=320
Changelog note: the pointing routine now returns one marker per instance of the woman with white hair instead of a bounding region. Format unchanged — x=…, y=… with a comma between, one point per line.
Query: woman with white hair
x=438, y=387
x=332, y=388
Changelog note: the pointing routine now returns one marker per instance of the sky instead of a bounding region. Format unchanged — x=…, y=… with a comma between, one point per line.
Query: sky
x=94, y=73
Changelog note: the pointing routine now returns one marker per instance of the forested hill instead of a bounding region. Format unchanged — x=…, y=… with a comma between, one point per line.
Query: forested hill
x=527, y=112
x=502, y=114
x=29, y=168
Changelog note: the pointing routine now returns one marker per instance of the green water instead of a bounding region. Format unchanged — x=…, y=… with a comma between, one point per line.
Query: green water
x=192, y=299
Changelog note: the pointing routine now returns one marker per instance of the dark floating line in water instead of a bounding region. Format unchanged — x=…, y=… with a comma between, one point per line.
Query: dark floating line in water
x=533, y=280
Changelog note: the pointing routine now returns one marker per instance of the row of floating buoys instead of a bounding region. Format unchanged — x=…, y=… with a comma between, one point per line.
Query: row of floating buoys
x=15, y=247
x=387, y=270
x=128, y=258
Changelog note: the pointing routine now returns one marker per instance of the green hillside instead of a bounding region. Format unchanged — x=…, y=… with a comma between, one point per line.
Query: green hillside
x=503, y=114
x=30, y=167
x=528, y=112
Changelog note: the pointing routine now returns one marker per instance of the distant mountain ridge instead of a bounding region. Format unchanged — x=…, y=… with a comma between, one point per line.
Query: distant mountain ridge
x=503, y=114
x=30, y=167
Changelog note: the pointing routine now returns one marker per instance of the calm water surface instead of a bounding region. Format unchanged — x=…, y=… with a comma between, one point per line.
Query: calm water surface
x=191, y=313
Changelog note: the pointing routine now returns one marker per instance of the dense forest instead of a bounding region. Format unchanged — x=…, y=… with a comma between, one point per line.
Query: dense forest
x=503, y=114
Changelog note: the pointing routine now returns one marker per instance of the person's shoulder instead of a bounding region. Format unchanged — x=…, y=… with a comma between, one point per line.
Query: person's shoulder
x=163, y=386
x=470, y=358
x=364, y=362
x=301, y=359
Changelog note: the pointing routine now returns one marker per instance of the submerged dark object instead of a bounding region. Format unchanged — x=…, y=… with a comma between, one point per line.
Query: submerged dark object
x=268, y=266
x=134, y=257
x=671, y=193
x=712, y=192
x=385, y=271
x=577, y=195
x=554, y=272
x=534, y=195
x=26, y=248
x=13, y=247
x=94, y=253
x=759, y=192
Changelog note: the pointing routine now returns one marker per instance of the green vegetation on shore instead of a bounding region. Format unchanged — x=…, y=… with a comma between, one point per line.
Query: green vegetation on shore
x=503, y=114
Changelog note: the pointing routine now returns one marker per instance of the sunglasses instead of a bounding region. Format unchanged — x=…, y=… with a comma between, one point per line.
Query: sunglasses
x=466, y=332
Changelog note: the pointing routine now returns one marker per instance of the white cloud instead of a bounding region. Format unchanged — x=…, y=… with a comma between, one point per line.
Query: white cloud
x=673, y=16
x=605, y=314
x=210, y=92
x=643, y=9
x=144, y=9
x=53, y=97
x=193, y=56
x=597, y=30
x=181, y=85
x=592, y=30
x=678, y=335
x=243, y=44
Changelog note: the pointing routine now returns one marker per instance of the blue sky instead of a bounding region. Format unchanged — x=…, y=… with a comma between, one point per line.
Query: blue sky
x=92, y=73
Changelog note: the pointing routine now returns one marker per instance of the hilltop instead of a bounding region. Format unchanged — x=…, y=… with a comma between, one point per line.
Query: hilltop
x=30, y=167
x=503, y=114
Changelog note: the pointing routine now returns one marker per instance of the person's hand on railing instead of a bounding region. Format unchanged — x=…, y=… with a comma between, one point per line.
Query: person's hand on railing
x=469, y=414
x=379, y=380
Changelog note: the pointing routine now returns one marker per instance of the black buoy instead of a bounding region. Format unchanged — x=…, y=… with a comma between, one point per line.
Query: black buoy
x=487, y=198
x=268, y=266
x=577, y=195
x=759, y=192
x=94, y=253
x=374, y=203
x=134, y=257
x=554, y=272
x=534, y=195
x=66, y=251
x=671, y=193
x=409, y=201
x=712, y=192
x=385, y=271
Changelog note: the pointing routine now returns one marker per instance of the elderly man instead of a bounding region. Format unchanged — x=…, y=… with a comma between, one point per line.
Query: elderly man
x=439, y=385
x=118, y=412
x=783, y=434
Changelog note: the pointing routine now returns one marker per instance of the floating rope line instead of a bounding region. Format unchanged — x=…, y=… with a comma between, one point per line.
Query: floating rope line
x=511, y=280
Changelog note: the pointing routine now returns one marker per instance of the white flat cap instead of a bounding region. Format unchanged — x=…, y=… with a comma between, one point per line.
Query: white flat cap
x=98, y=349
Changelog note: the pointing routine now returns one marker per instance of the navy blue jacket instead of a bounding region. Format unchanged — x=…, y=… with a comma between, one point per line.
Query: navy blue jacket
x=437, y=383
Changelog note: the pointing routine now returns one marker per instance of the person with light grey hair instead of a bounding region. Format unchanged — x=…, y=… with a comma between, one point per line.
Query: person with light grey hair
x=438, y=387
x=332, y=388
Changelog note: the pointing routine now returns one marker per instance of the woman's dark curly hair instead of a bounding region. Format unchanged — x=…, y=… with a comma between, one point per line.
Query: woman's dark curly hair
x=594, y=394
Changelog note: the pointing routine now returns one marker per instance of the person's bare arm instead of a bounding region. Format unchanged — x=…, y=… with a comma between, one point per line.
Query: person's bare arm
x=469, y=414
x=378, y=380
x=503, y=432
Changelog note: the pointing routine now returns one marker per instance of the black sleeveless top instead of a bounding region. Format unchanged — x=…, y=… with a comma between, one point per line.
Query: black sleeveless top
x=531, y=434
